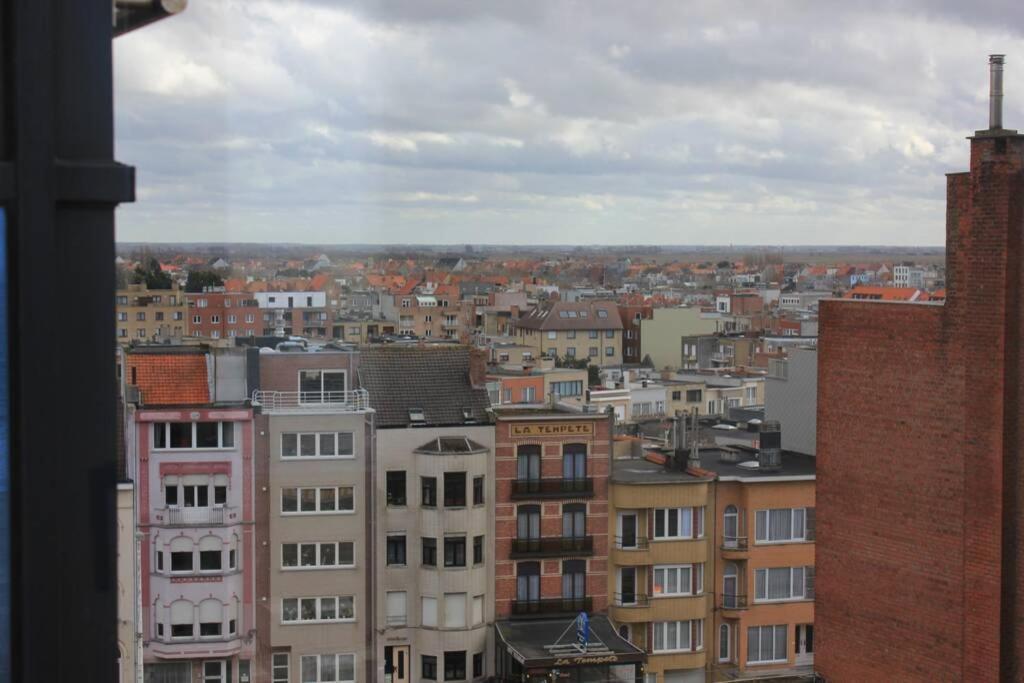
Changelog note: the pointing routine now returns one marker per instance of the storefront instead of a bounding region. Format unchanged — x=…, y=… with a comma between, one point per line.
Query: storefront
x=549, y=650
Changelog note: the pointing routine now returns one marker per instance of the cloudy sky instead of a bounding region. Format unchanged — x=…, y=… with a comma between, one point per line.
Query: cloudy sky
x=454, y=121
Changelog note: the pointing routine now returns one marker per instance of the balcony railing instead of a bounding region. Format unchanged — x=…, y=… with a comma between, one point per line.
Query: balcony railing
x=631, y=543
x=734, y=543
x=549, y=606
x=352, y=401
x=552, y=488
x=632, y=600
x=552, y=547
x=731, y=601
x=179, y=516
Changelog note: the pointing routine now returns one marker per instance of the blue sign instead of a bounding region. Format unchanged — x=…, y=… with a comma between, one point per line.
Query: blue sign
x=582, y=629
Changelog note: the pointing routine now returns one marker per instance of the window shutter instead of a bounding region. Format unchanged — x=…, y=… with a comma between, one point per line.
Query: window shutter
x=207, y=543
x=809, y=521
x=211, y=611
x=181, y=612
x=809, y=582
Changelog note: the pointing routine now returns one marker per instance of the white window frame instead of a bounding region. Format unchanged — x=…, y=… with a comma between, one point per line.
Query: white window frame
x=775, y=631
x=798, y=532
x=337, y=667
x=695, y=569
x=319, y=604
x=695, y=511
x=797, y=586
x=316, y=441
x=337, y=556
x=318, y=511
x=694, y=628
x=277, y=676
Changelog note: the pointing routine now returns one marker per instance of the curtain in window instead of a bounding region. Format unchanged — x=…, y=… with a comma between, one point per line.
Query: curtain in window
x=779, y=651
x=778, y=583
x=780, y=525
x=528, y=521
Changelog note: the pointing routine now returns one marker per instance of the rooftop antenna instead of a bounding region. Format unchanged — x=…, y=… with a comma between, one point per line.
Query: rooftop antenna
x=995, y=94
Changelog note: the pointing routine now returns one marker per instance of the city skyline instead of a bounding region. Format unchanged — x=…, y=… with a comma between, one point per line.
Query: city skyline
x=315, y=123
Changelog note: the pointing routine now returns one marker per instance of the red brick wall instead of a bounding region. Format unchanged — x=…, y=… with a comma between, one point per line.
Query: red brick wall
x=598, y=468
x=918, y=481
x=280, y=371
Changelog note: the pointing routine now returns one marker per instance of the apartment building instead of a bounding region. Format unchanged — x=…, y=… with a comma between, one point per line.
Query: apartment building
x=764, y=526
x=359, y=330
x=433, y=513
x=704, y=352
x=632, y=317
x=315, y=454
x=719, y=392
x=660, y=335
x=430, y=311
x=919, y=414
x=294, y=313
x=189, y=449
x=588, y=329
x=712, y=558
x=216, y=313
x=142, y=313
x=551, y=545
x=661, y=564
x=791, y=398
x=535, y=384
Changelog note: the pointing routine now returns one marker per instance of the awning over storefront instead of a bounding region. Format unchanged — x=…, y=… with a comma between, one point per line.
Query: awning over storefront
x=552, y=643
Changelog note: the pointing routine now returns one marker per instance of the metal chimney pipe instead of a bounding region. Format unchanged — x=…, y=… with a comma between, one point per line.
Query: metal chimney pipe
x=995, y=95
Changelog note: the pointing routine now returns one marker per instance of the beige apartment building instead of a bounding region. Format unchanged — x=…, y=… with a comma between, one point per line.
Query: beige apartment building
x=661, y=334
x=142, y=313
x=317, y=434
x=433, y=512
x=590, y=330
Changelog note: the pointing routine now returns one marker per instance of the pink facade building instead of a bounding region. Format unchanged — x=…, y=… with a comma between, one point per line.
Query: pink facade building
x=190, y=444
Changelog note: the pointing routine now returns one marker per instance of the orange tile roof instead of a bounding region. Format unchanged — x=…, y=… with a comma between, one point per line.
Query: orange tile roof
x=887, y=293
x=320, y=281
x=169, y=379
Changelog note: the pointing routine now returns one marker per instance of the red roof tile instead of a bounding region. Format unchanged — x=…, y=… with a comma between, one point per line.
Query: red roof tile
x=169, y=379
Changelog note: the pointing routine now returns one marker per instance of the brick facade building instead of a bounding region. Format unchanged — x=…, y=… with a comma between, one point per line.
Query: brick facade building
x=918, y=444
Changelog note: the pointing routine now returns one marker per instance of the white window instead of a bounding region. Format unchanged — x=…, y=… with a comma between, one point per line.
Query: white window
x=328, y=669
x=215, y=334
x=318, y=609
x=249, y=317
x=201, y=303
x=674, y=523
x=428, y=608
x=552, y=334
x=395, y=605
x=679, y=636
x=232, y=319
x=783, y=583
x=478, y=610
x=751, y=395
x=784, y=525
x=317, y=500
x=317, y=445
x=197, y=319
x=142, y=333
x=681, y=579
x=123, y=332
x=766, y=644
x=455, y=610
x=122, y=316
x=317, y=555
x=215, y=319
x=182, y=435
x=280, y=668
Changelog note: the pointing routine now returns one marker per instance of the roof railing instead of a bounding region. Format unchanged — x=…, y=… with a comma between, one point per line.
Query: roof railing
x=352, y=401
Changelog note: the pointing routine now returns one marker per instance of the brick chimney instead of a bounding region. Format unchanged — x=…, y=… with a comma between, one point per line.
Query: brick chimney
x=477, y=366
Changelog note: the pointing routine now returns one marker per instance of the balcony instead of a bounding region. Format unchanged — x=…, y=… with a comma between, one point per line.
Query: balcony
x=550, y=607
x=552, y=488
x=734, y=547
x=558, y=546
x=631, y=600
x=729, y=602
x=179, y=516
x=631, y=543
x=284, y=402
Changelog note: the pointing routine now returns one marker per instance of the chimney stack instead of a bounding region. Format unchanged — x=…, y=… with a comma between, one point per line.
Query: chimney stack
x=995, y=95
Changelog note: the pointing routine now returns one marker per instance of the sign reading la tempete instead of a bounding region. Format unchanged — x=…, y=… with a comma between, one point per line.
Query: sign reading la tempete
x=553, y=429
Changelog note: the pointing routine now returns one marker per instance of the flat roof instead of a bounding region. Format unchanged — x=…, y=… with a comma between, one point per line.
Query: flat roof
x=641, y=471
